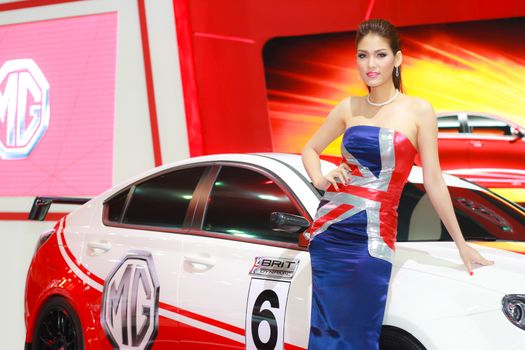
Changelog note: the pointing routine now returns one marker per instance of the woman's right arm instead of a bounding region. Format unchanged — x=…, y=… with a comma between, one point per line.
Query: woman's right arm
x=333, y=127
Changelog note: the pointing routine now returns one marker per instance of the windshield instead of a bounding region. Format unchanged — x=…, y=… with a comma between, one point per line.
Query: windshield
x=482, y=215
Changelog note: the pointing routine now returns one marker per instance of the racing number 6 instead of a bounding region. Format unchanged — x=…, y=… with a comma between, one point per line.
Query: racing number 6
x=266, y=306
x=267, y=315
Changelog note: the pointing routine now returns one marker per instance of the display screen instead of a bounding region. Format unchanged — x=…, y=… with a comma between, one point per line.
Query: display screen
x=471, y=66
x=57, y=106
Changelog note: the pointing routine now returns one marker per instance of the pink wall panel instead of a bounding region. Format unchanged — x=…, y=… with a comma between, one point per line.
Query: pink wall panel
x=74, y=155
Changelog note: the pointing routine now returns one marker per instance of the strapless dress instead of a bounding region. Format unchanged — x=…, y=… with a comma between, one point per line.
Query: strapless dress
x=352, y=240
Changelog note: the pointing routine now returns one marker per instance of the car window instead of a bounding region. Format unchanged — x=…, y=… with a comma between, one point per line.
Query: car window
x=488, y=126
x=116, y=206
x=449, y=124
x=481, y=216
x=240, y=204
x=162, y=200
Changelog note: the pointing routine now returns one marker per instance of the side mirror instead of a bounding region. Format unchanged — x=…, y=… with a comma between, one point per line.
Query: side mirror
x=288, y=222
x=517, y=133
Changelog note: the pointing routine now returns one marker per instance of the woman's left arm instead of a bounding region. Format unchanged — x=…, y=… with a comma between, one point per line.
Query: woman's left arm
x=435, y=184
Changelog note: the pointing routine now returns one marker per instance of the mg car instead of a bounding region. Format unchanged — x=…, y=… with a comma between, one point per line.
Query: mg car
x=481, y=141
x=484, y=148
x=211, y=253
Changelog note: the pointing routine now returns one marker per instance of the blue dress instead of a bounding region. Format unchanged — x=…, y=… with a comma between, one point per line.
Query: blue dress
x=352, y=240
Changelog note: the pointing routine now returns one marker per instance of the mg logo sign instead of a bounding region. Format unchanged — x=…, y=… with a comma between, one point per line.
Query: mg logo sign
x=130, y=303
x=24, y=107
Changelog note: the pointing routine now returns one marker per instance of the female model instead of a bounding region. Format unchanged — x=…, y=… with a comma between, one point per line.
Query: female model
x=352, y=237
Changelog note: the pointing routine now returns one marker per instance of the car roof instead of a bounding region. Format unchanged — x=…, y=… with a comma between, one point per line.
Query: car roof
x=291, y=160
x=474, y=113
x=295, y=161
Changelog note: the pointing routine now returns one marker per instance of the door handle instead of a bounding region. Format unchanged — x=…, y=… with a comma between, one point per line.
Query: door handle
x=200, y=260
x=99, y=247
x=476, y=143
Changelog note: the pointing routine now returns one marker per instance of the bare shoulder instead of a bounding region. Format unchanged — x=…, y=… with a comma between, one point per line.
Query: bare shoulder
x=418, y=104
x=340, y=111
x=353, y=103
x=347, y=101
x=357, y=100
x=343, y=107
x=422, y=106
x=423, y=111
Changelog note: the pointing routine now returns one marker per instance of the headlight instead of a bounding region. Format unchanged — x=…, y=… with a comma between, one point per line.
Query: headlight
x=514, y=309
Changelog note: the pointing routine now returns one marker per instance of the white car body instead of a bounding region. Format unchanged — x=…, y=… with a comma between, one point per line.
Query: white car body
x=206, y=287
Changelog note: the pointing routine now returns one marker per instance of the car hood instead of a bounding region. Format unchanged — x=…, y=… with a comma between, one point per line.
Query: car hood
x=506, y=275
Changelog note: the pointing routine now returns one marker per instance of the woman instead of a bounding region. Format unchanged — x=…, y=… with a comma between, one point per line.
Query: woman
x=352, y=237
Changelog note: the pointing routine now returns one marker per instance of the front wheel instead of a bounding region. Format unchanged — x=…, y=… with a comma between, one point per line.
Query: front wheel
x=393, y=338
x=57, y=327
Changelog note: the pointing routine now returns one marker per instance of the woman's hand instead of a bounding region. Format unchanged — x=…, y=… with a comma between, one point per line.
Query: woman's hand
x=470, y=255
x=341, y=172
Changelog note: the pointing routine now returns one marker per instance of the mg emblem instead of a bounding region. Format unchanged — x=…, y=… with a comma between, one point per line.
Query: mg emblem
x=24, y=107
x=130, y=303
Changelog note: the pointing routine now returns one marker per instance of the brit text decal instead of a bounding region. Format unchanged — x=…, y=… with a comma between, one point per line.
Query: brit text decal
x=274, y=267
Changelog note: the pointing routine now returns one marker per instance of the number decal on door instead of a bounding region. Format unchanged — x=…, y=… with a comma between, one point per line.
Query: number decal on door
x=265, y=312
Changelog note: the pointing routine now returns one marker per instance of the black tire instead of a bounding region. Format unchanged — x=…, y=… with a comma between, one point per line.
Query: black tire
x=58, y=327
x=393, y=338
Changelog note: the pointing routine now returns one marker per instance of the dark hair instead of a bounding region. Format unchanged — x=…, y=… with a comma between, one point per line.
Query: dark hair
x=389, y=32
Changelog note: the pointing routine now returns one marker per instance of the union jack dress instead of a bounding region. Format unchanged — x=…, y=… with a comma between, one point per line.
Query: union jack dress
x=352, y=240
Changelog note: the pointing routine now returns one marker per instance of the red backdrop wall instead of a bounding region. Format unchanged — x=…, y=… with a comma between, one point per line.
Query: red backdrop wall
x=221, y=42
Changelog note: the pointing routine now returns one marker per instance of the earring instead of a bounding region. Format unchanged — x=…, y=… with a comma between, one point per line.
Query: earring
x=397, y=72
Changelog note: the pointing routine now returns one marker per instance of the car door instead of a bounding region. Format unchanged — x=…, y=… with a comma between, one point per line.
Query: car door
x=244, y=285
x=492, y=144
x=133, y=255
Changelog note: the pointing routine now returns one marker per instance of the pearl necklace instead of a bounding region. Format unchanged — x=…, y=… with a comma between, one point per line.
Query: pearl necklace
x=382, y=103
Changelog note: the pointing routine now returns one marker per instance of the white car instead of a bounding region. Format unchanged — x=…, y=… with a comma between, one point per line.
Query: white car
x=208, y=253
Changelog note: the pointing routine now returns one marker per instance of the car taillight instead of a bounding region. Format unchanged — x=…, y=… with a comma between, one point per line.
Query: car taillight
x=44, y=236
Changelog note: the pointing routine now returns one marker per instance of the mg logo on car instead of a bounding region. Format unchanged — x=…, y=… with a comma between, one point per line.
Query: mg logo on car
x=130, y=302
x=24, y=107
